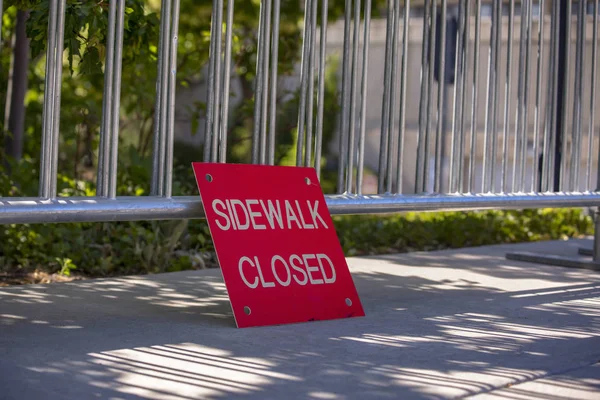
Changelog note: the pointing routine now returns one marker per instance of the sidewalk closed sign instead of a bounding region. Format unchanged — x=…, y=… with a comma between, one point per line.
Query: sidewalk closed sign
x=276, y=244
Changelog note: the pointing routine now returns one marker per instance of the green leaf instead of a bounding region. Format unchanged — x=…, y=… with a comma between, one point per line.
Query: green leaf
x=90, y=63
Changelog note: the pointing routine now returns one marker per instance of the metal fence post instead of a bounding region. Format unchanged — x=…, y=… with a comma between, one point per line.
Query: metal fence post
x=561, y=91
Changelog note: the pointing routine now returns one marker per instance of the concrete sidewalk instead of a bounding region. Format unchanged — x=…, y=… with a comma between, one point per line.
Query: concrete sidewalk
x=439, y=325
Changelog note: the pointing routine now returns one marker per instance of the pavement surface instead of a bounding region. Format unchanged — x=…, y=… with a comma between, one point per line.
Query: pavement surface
x=450, y=324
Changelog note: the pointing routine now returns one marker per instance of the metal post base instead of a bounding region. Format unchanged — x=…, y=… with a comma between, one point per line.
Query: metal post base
x=560, y=261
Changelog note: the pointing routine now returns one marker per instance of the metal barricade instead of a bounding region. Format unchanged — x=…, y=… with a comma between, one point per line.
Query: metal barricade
x=534, y=81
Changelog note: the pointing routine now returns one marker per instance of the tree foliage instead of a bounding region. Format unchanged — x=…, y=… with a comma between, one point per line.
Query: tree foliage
x=86, y=26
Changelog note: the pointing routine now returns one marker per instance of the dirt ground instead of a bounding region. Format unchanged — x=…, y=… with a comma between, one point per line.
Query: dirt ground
x=37, y=277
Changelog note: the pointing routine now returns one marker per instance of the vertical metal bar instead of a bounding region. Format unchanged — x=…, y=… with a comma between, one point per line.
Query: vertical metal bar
x=461, y=149
x=218, y=77
x=49, y=102
x=597, y=237
x=321, y=87
x=259, y=82
x=538, y=96
x=311, y=84
x=171, y=97
x=564, y=112
x=227, y=79
x=458, y=89
x=495, y=98
x=523, y=168
x=165, y=99
x=440, y=115
x=474, y=97
x=507, y=93
x=305, y=65
x=393, y=99
x=598, y=153
x=265, y=96
x=353, y=90
x=548, y=151
x=363, y=97
x=164, y=81
x=520, y=128
x=107, y=107
x=161, y=102
x=60, y=27
x=49, y=87
x=578, y=103
x=488, y=107
x=214, y=52
x=429, y=117
x=387, y=90
x=421, y=145
x=158, y=145
x=547, y=140
x=593, y=99
x=555, y=138
x=490, y=101
x=273, y=97
x=345, y=96
x=403, y=85
x=116, y=101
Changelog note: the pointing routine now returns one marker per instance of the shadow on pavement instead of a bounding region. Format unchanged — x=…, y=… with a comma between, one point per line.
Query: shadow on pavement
x=439, y=325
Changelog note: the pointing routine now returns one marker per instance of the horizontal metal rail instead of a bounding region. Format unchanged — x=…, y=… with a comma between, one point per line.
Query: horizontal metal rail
x=88, y=209
x=519, y=129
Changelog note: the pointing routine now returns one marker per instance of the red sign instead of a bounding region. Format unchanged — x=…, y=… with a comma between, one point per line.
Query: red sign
x=276, y=244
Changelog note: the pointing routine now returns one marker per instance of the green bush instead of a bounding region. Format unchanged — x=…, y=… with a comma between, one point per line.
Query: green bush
x=127, y=248
x=362, y=235
x=103, y=249
x=106, y=249
x=119, y=248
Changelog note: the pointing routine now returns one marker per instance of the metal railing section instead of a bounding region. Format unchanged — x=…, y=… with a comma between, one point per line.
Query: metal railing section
x=562, y=95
